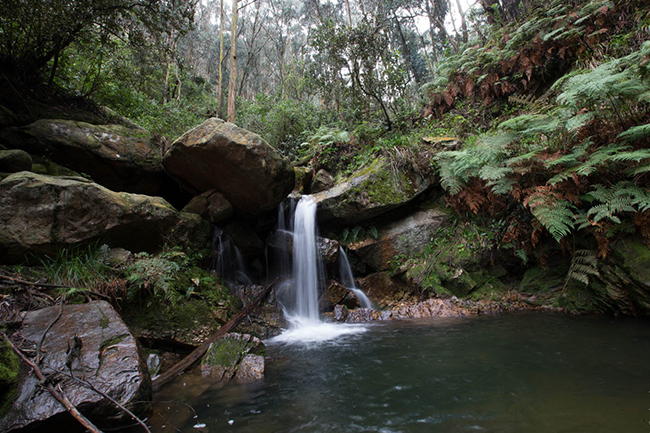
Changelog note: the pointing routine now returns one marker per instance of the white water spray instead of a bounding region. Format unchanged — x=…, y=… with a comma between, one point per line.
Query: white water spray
x=347, y=279
x=302, y=308
x=306, y=271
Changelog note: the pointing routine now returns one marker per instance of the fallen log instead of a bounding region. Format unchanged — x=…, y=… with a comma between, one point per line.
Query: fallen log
x=198, y=353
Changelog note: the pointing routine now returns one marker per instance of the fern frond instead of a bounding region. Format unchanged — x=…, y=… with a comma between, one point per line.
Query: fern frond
x=619, y=198
x=637, y=155
x=635, y=133
x=554, y=214
x=583, y=264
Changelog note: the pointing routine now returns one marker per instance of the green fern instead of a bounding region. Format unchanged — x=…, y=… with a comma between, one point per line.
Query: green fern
x=619, y=198
x=556, y=215
x=583, y=265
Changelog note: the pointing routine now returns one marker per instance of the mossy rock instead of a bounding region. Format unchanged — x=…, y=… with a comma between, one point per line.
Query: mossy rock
x=369, y=192
x=9, y=374
x=544, y=280
x=186, y=323
x=224, y=355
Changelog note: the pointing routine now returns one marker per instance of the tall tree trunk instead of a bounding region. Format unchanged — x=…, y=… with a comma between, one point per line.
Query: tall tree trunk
x=347, y=8
x=463, y=23
x=232, y=84
x=220, y=88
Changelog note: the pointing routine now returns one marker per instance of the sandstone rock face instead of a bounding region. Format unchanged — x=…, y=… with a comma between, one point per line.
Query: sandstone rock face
x=251, y=368
x=304, y=176
x=117, y=157
x=322, y=181
x=252, y=175
x=42, y=214
x=15, y=160
x=386, y=291
x=211, y=206
x=623, y=284
x=227, y=356
x=369, y=193
x=109, y=359
x=406, y=237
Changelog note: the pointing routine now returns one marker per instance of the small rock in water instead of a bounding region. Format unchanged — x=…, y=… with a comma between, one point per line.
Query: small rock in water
x=231, y=421
x=200, y=428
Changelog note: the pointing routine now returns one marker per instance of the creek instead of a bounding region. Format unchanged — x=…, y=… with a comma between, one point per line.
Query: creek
x=524, y=372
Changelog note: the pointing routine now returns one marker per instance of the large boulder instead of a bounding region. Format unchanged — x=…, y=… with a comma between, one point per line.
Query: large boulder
x=115, y=156
x=404, y=238
x=42, y=214
x=15, y=160
x=211, y=205
x=252, y=175
x=369, y=192
x=239, y=356
x=108, y=359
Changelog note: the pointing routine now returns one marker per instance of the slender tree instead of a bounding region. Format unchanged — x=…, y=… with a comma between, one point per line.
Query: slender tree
x=222, y=17
x=232, y=84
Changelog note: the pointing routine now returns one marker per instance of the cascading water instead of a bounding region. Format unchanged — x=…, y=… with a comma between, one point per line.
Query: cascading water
x=347, y=279
x=307, y=269
x=301, y=307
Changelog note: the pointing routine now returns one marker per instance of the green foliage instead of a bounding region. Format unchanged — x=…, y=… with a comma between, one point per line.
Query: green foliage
x=619, y=198
x=579, y=164
x=155, y=273
x=358, y=233
x=78, y=269
x=33, y=32
x=9, y=375
x=283, y=123
x=556, y=215
x=583, y=264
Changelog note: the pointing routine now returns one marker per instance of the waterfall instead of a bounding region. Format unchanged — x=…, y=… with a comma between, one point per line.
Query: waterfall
x=307, y=270
x=227, y=260
x=347, y=279
x=300, y=293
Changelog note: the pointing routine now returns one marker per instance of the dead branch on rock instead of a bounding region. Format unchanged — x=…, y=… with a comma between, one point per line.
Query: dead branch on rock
x=46, y=285
x=107, y=397
x=198, y=353
x=57, y=393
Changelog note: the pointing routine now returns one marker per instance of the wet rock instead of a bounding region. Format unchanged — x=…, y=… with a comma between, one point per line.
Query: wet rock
x=211, y=206
x=431, y=308
x=115, y=156
x=369, y=192
x=407, y=237
x=252, y=175
x=386, y=291
x=251, y=368
x=341, y=313
x=328, y=249
x=187, y=324
x=267, y=320
x=336, y=293
x=109, y=359
x=42, y=214
x=225, y=356
x=322, y=181
x=119, y=258
x=304, y=176
x=153, y=364
x=15, y=160
x=245, y=238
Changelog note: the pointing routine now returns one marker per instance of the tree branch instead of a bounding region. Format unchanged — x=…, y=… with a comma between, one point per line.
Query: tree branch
x=57, y=394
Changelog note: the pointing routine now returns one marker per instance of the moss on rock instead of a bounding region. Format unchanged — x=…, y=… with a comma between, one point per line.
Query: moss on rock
x=9, y=374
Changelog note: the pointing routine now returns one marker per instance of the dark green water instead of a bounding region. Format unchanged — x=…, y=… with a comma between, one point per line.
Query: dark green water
x=508, y=373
